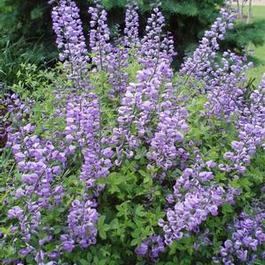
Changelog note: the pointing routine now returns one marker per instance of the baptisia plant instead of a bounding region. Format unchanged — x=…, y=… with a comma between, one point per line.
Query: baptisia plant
x=138, y=169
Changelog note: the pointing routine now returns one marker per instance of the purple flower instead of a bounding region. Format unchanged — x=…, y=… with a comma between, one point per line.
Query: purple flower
x=165, y=146
x=251, y=131
x=199, y=64
x=99, y=37
x=245, y=242
x=141, y=250
x=152, y=247
x=67, y=243
x=82, y=220
x=205, y=175
x=70, y=40
x=26, y=251
x=193, y=200
x=226, y=86
x=155, y=46
x=15, y=212
x=131, y=35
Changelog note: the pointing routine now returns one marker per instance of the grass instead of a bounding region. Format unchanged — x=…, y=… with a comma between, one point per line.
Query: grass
x=259, y=52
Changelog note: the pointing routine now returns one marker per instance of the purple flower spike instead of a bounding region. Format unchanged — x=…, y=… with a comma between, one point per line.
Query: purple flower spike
x=199, y=65
x=247, y=239
x=131, y=34
x=99, y=37
x=71, y=41
x=152, y=247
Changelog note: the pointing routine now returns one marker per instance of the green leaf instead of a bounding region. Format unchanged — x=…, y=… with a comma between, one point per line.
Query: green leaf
x=4, y=230
x=139, y=211
x=102, y=227
x=227, y=209
x=83, y=261
x=36, y=13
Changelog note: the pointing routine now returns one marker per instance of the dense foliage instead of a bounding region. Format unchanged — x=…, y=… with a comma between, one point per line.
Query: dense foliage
x=26, y=32
x=112, y=158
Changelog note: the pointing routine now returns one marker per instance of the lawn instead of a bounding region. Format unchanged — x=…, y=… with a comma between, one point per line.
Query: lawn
x=259, y=69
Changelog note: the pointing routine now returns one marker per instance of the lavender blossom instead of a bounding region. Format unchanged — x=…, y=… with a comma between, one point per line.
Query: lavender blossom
x=117, y=76
x=39, y=162
x=71, y=41
x=99, y=37
x=199, y=64
x=251, y=131
x=84, y=131
x=195, y=197
x=84, y=128
x=138, y=107
x=82, y=221
x=131, y=34
x=152, y=247
x=155, y=47
x=109, y=58
x=247, y=240
x=227, y=86
x=165, y=146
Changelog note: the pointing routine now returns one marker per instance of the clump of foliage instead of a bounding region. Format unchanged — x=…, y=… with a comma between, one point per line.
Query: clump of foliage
x=25, y=36
x=112, y=158
x=245, y=34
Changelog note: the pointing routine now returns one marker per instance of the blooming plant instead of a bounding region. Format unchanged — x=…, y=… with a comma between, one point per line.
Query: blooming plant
x=112, y=158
